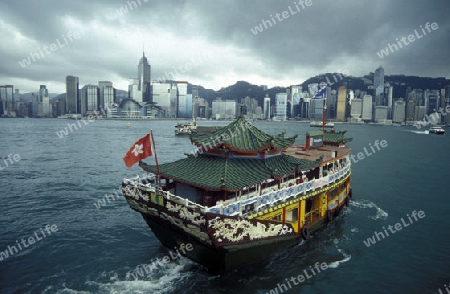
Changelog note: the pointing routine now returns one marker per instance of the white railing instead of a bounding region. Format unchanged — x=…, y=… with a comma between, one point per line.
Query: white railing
x=236, y=206
x=270, y=198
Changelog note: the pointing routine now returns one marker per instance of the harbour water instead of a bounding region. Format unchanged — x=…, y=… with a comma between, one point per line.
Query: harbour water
x=96, y=248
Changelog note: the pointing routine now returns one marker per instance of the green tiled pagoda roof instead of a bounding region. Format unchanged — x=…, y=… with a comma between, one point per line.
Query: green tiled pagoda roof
x=314, y=133
x=218, y=173
x=331, y=136
x=242, y=136
x=336, y=137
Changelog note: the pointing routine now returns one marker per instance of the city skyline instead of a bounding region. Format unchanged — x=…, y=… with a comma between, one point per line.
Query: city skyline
x=196, y=41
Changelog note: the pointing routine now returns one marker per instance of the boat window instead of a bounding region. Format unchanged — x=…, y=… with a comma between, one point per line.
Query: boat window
x=333, y=193
x=308, y=205
x=292, y=215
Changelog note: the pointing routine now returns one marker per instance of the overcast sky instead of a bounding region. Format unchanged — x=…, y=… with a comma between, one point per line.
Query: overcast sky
x=211, y=43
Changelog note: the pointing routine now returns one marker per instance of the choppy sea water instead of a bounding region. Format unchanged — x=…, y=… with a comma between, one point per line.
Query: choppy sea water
x=94, y=250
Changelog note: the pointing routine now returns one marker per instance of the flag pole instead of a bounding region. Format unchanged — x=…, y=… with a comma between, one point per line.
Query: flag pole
x=156, y=159
x=324, y=117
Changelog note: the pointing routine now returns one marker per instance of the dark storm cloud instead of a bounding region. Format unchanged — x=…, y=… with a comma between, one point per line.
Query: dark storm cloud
x=325, y=36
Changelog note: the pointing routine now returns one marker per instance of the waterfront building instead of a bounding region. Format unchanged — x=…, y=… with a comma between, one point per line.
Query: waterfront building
x=7, y=106
x=91, y=98
x=390, y=93
x=410, y=109
x=16, y=97
x=106, y=92
x=224, y=109
x=200, y=108
x=419, y=113
x=133, y=90
x=432, y=101
x=380, y=114
x=161, y=96
x=184, y=102
x=280, y=109
x=295, y=95
x=129, y=108
x=447, y=104
x=72, y=95
x=266, y=107
x=305, y=106
x=316, y=109
x=144, y=80
x=378, y=85
x=341, y=103
x=398, y=111
x=367, y=108
x=356, y=108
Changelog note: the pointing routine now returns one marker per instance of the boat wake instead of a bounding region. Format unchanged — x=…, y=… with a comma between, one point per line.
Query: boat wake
x=346, y=256
x=164, y=279
x=381, y=214
x=418, y=132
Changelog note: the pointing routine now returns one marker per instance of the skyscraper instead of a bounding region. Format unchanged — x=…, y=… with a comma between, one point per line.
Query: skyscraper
x=2, y=100
x=223, y=109
x=410, y=110
x=356, y=108
x=398, y=111
x=316, y=108
x=280, y=111
x=42, y=92
x=161, y=94
x=7, y=96
x=89, y=99
x=378, y=85
x=432, y=100
x=144, y=77
x=447, y=104
x=390, y=92
x=43, y=102
x=181, y=99
x=295, y=98
x=305, y=105
x=266, y=107
x=133, y=90
x=367, y=108
x=16, y=96
x=106, y=93
x=341, y=106
x=72, y=94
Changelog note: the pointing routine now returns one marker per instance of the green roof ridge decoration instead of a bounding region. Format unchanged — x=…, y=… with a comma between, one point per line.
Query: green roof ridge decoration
x=230, y=174
x=242, y=136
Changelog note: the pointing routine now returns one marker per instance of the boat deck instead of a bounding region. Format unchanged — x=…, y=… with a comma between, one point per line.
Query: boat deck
x=315, y=152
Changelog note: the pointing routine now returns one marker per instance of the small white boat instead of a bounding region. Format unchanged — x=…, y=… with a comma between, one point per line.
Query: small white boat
x=436, y=130
x=128, y=125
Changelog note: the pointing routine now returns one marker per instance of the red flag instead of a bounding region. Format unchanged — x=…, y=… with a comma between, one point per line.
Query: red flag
x=140, y=150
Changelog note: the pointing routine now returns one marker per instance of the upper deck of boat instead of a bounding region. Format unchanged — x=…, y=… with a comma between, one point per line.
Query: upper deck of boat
x=313, y=153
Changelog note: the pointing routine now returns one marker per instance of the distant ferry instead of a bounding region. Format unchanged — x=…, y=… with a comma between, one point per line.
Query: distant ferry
x=436, y=130
x=187, y=128
x=319, y=124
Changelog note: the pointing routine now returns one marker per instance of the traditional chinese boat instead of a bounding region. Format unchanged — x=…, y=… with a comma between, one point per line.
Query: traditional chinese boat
x=245, y=194
x=187, y=128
